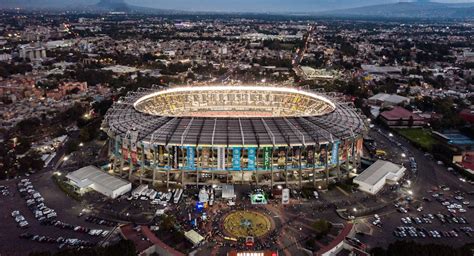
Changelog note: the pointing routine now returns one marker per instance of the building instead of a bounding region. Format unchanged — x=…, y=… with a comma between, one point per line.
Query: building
x=192, y=135
x=401, y=117
x=385, y=100
x=146, y=241
x=454, y=147
x=372, y=179
x=90, y=177
x=32, y=52
x=467, y=115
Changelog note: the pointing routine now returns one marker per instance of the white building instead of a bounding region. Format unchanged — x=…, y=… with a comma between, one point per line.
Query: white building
x=32, y=52
x=372, y=179
x=90, y=177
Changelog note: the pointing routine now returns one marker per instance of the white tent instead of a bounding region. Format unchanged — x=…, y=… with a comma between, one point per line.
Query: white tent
x=194, y=237
x=102, y=182
x=372, y=179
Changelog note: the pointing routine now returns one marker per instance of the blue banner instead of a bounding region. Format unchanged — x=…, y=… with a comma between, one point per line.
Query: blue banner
x=252, y=152
x=190, y=157
x=236, y=159
x=335, y=152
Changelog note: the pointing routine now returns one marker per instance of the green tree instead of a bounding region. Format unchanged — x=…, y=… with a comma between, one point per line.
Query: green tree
x=321, y=227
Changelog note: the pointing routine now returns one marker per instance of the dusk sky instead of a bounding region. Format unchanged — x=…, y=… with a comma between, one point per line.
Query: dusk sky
x=225, y=5
x=266, y=5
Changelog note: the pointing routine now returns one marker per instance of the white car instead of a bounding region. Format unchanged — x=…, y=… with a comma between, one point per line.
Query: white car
x=15, y=213
x=19, y=218
x=465, y=202
x=23, y=224
x=462, y=210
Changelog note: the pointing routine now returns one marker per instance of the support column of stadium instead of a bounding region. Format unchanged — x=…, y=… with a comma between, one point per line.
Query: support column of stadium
x=214, y=163
x=183, y=172
x=299, y=164
x=326, y=169
x=154, y=166
x=287, y=140
x=271, y=169
x=168, y=168
x=286, y=166
x=257, y=139
x=314, y=166
x=301, y=137
x=197, y=172
x=272, y=137
x=241, y=149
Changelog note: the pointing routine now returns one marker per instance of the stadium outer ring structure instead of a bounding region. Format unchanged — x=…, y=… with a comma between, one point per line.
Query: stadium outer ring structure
x=176, y=136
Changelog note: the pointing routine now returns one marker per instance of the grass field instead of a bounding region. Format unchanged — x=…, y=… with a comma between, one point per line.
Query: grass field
x=247, y=223
x=418, y=136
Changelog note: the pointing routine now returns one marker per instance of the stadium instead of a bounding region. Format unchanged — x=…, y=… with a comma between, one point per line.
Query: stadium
x=232, y=134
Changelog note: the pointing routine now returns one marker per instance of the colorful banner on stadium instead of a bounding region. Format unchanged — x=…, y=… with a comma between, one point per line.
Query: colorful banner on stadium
x=267, y=158
x=335, y=152
x=251, y=155
x=221, y=158
x=125, y=143
x=236, y=159
x=133, y=146
x=190, y=157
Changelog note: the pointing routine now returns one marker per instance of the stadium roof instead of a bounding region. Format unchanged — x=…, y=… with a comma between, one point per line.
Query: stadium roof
x=125, y=121
x=92, y=175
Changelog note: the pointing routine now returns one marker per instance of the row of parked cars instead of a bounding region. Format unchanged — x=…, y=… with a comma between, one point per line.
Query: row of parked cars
x=80, y=229
x=417, y=220
x=61, y=241
x=408, y=231
x=20, y=219
x=35, y=201
x=4, y=191
x=100, y=221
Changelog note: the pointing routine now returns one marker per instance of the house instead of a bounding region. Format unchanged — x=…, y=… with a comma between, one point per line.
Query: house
x=400, y=117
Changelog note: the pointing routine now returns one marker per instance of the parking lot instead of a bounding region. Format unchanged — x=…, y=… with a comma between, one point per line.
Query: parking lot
x=439, y=208
x=64, y=227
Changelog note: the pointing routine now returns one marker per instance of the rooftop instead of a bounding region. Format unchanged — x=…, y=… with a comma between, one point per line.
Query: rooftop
x=377, y=171
x=93, y=174
x=398, y=112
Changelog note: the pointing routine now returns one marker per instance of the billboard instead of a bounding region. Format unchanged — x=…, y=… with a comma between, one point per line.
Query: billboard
x=267, y=158
x=236, y=159
x=252, y=154
x=190, y=157
x=335, y=152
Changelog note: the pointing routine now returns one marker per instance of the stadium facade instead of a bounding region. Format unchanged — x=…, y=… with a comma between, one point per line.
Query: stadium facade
x=232, y=134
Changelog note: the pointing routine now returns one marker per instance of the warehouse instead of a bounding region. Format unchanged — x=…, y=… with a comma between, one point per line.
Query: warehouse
x=90, y=177
x=374, y=178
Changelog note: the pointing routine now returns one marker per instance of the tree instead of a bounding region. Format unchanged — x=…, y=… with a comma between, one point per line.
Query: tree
x=322, y=227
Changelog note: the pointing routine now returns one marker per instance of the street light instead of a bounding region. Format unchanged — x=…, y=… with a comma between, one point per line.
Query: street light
x=354, y=209
x=410, y=192
x=81, y=144
x=404, y=155
x=66, y=158
x=390, y=134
